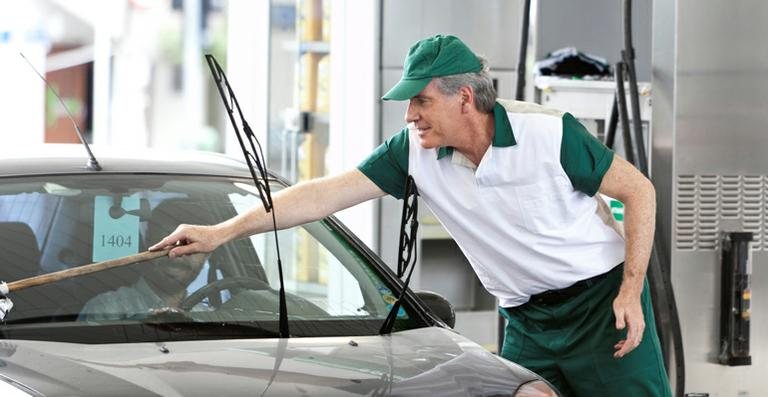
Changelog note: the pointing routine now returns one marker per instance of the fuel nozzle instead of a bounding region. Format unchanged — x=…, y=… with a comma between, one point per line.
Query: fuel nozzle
x=736, y=299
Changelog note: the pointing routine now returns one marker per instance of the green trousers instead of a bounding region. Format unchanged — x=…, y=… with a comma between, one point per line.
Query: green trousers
x=570, y=344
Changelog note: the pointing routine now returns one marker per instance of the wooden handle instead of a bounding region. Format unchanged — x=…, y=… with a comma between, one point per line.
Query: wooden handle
x=85, y=269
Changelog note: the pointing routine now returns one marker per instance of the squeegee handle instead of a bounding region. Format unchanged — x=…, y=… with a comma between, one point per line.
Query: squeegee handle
x=80, y=270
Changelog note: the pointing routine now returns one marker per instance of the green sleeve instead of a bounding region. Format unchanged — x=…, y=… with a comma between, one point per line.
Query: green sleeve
x=387, y=166
x=584, y=158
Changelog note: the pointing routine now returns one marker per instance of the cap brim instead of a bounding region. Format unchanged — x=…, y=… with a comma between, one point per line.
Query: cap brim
x=406, y=89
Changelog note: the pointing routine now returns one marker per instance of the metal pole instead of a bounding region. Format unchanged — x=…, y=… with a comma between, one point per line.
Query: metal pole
x=628, y=56
x=102, y=78
x=192, y=74
x=519, y=92
x=519, y=95
x=621, y=100
x=610, y=131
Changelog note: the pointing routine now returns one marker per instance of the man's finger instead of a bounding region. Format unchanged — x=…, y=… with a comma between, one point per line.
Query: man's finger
x=634, y=337
x=180, y=234
x=159, y=245
x=620, y=324
x=624, y=350
x=639, y=328
x=182, y=250
x=631, y=333
x=170, y=240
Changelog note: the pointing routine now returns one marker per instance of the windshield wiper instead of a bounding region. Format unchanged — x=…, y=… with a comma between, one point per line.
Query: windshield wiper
x=92, y=164
x=255, y=160
x=182, y=322
x=409, y=225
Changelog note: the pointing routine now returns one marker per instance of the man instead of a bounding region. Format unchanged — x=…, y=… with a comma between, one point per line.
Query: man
x=515, y=185
x=163, y=283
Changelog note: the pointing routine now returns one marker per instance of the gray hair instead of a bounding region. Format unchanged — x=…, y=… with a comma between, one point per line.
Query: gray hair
x=480, y=82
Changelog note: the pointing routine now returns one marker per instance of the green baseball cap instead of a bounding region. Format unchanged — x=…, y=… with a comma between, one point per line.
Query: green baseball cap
x=439, y=55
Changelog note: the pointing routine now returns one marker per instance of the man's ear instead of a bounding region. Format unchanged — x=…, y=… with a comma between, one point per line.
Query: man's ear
x=467, y=96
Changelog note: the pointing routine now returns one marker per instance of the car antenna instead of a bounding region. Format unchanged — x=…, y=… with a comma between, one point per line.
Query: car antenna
x=254, y=158
x=407, y=248
x=92, y=164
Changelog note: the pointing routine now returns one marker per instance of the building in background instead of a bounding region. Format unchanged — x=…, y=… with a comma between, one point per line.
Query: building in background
x=131, y=72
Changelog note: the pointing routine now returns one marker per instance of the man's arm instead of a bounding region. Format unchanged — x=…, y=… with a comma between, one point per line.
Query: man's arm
x=625, y=183
x=304, y=202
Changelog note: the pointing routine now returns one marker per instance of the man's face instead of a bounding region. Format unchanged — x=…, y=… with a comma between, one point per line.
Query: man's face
x=172, y=275
x=433, y=116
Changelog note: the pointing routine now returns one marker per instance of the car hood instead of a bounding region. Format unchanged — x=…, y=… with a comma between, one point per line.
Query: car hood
x=428, y=361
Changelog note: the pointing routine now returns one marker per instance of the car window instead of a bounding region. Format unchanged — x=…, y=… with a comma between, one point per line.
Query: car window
x=48, y=225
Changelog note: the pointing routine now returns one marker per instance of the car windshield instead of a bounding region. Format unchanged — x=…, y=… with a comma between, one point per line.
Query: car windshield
x=47, y=224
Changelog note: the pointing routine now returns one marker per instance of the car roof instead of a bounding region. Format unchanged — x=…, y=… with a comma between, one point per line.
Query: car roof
x=72, y=159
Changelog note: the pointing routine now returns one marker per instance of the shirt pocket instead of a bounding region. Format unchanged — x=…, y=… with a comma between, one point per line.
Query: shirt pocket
x=500, y=205
x=544, y=204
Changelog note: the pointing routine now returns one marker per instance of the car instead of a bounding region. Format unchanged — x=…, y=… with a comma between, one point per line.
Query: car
x=88, y=335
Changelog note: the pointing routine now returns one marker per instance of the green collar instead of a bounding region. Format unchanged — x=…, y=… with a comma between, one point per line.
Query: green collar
x=502, y=136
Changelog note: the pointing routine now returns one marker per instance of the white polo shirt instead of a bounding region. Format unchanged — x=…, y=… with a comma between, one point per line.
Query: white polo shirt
x=526, y=217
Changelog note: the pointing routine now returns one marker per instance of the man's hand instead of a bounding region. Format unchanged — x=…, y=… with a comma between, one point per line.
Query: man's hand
x=629, y=314
x=189, y=239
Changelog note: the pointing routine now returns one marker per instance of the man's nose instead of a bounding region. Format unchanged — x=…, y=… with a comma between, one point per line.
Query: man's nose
x=411, y=115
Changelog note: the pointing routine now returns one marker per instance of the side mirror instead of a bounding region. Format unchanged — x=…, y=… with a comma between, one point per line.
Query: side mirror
x=439, y=306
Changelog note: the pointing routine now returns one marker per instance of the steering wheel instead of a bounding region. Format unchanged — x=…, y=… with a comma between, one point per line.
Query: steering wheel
x=225, y=284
